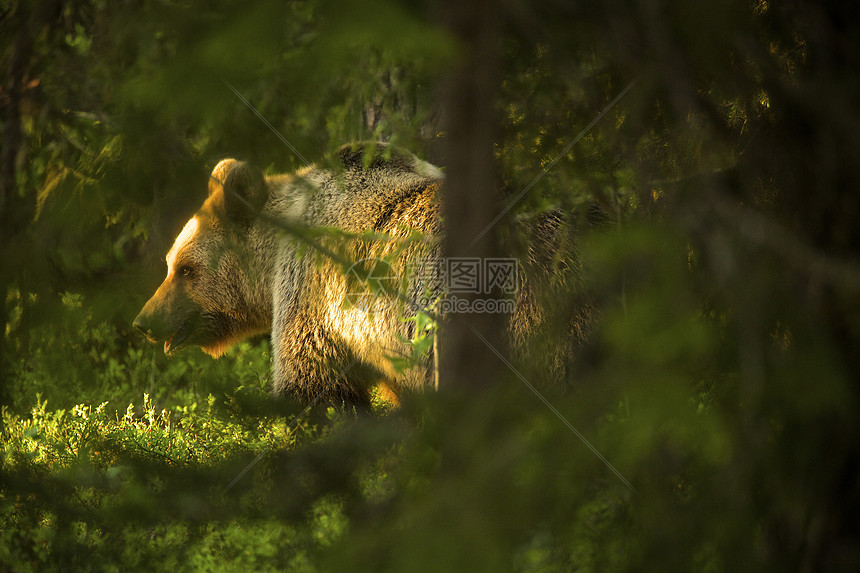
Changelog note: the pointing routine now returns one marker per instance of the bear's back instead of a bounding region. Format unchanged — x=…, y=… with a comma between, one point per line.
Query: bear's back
x=378, y=188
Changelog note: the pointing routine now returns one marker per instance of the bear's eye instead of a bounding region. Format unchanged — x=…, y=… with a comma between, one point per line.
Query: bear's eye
x=186, y=270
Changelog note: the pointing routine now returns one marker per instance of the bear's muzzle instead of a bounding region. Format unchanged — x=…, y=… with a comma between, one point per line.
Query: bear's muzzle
x=157, y=330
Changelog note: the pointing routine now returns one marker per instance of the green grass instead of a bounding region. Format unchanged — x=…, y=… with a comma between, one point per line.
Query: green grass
x=88, y=481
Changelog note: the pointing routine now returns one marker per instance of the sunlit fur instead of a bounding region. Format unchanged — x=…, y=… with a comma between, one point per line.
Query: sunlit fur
x=246, y=276
x=252, y=260
x=181, y=241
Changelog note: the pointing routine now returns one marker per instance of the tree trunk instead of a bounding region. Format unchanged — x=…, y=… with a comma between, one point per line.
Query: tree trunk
x=10, y=217
x=471, y=192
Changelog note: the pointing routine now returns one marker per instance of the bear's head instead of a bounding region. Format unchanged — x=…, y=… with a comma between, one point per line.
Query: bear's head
x=213, y=295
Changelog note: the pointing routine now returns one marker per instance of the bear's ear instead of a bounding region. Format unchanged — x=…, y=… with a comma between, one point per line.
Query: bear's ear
x=238, y=188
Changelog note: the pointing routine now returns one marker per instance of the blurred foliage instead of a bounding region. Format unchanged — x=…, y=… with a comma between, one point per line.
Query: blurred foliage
x=720, y=379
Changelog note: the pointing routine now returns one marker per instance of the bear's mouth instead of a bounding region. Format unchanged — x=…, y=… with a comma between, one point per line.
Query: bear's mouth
x=174, y=343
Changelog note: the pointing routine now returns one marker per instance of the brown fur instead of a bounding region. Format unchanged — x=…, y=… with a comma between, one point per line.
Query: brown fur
x=238, y=274
x=243, y=266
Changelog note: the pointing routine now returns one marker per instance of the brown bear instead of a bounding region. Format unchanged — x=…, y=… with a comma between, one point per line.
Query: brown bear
x=252, y=261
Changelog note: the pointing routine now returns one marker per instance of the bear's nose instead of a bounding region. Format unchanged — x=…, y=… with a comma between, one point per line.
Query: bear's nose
x=140, y=324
